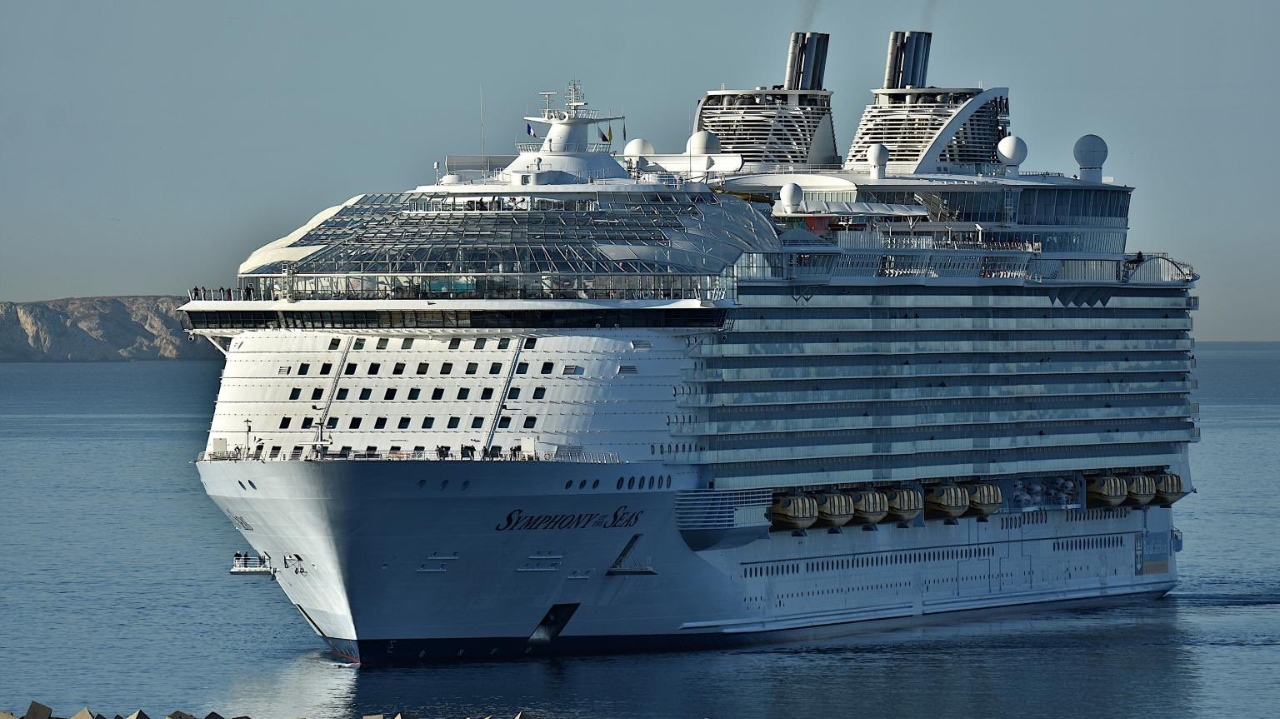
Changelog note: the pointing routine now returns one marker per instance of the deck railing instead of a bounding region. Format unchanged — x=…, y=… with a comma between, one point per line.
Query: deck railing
x=434, y=455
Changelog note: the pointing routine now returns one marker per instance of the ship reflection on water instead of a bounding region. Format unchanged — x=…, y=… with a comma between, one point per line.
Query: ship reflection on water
x=1134, y=660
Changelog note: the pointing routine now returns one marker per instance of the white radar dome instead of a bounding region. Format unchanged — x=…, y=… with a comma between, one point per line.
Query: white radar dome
x=702, y=142
x=791, y=196
x=1090, y=152
x=1012, y=150
x=638, y=148
x=451, y=180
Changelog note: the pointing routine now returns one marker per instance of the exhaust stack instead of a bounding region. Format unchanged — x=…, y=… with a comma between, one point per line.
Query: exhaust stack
x=907, y=63
x=806, y=61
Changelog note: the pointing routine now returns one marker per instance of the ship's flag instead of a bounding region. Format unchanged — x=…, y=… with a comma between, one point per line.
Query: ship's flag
x=529, y=129
x=603, y=137
x=624, y=129
x=611, y=132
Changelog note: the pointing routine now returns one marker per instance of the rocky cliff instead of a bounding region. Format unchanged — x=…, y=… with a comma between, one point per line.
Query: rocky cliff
x=95, y=329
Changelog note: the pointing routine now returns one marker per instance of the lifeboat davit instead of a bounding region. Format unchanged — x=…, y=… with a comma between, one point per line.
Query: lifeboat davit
x=794, y=511
x=946, y=500
x=905, y=504
x=985, y=499
x=1141, y=489
x=1169, y=488
x=1107, y=491
x=869, y=506
x=834, y=509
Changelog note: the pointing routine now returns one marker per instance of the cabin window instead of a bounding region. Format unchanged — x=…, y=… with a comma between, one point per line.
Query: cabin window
x=522, y=367
x=530, y=342
x=350, y=368
x=427, y=422
x=334, y=343
x=463, y=393
x=354, y=423
x=325, y=368
x=331, y=423
x=513, y=393
x=495, y=368
x=389, y=395
x=404, y=423
x=504, y=422
x=304, y=368
x=446, y=368
x=295, y=393
x=472, y=367
x=366, y=393
x=455, y=343
x=547, y=367
x=284, y=422
x=406, y=343
x=398, y=368
x=380, y=423
x=504, y=343
x=529, y=422
x=437, y=393
x=307, y=422
x=414, y=393
x=453, y=422
x=342, y=393
x=479, y=343
x=539, y=392
x=422, y=368
x=486, y=393
x=477, y=422
x=374, y=367
x=317, y=393
x=382, y=343
x=359, y=345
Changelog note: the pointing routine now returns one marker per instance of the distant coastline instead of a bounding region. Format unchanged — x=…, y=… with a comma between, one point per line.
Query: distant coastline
x=98, y=329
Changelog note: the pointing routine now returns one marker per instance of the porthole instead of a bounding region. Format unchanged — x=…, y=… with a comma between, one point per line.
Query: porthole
x=650, y=482
x=631, y=483
x=244, y=487
x=568, y=484
x=582, y=484
x=595, y=484
x=620, y=480
x=251, y=484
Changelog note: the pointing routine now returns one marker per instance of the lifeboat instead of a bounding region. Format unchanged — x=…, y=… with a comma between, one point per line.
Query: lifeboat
x=834, y=509
x=985, y=499
x=869, y=506
x=946, y=500
x=1141, y=489
x=1107, y=491
x=794, y=511
x=1169, y=488
x=905, y=504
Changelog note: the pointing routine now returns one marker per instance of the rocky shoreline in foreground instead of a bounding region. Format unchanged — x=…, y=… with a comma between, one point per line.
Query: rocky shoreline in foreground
x=98, y=329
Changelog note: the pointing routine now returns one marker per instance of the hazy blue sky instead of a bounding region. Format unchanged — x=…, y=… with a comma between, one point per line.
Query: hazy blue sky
x=148, y=147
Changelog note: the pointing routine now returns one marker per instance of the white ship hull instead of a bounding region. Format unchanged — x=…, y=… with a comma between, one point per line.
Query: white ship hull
x=388, y=564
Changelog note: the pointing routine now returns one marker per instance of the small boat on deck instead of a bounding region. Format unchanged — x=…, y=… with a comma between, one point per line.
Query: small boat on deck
x=794, y=511
x=984, y=499
x=1106, y=491
x=869, y=506
x=835, y=509
x=946, y=500
x=905, y=504
x=1169, y=488
x=1141, y=489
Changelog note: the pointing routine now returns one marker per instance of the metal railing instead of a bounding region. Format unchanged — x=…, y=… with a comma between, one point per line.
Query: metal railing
x=439, y=454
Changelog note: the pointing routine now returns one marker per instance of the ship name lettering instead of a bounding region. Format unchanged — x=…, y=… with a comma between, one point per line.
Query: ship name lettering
x=516, y=519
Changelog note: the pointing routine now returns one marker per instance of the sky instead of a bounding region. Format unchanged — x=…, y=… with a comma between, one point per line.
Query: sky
x=146, y=147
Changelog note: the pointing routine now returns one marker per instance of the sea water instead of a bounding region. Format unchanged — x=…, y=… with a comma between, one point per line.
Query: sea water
x=114, y=593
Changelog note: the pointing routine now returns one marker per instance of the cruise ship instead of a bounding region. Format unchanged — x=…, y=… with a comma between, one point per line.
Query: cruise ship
x=580, y=401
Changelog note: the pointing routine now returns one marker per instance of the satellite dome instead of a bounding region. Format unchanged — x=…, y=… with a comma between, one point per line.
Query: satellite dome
x=1090, y=151
x=702, y=142
x=451, y=179
x=791, y=196
x=1012, y=150
x=638, y=148
x=878, y=154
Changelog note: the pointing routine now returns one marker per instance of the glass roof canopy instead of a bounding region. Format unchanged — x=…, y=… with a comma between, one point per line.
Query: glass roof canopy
x=623, y=231
x=586, y=241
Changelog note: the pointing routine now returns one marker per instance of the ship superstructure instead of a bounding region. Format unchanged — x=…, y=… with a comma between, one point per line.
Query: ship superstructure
x=595, y=403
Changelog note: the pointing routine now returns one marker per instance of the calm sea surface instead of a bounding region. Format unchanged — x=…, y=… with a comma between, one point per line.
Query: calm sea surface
x=114, y=593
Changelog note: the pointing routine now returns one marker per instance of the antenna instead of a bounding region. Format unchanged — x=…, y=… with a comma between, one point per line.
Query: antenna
x=481, y=118
x=546, y=101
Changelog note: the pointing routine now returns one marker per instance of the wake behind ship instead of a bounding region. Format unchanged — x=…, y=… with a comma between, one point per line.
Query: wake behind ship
x=741, y=394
